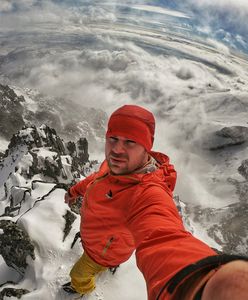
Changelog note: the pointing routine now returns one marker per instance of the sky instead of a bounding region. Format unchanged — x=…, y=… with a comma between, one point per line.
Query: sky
x=224, y=19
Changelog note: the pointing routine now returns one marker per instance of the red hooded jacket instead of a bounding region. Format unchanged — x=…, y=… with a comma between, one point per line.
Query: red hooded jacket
x=121, y=213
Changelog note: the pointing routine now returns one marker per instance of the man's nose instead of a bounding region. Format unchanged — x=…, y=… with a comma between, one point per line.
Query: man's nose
x=118, y=147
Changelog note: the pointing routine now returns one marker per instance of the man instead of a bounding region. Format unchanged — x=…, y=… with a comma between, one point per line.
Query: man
x=128, y=206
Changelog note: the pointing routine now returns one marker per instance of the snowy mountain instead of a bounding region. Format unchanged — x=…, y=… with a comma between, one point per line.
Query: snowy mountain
x=25, y=106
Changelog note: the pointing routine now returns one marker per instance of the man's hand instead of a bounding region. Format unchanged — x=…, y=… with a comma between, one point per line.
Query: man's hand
x=69, y=199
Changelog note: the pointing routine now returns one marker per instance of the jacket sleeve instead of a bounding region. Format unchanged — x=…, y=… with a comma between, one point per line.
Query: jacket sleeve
x=79, y=188
x=163, y=246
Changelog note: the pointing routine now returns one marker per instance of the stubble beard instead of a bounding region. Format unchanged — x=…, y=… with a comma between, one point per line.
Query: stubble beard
x=114, y=168
x=124, y=170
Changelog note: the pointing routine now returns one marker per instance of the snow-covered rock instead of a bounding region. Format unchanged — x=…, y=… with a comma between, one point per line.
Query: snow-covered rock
x=15, y=246
x=227, y=136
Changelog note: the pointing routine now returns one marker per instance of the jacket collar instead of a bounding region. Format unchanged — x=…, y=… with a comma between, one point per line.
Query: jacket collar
x=158, y=171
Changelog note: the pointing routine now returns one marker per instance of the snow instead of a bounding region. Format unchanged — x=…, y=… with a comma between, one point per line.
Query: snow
x=10, y=162
x=46, y=153
x=3, y=145
x=202, y=235
x=29, y=95
x=7, y=273
x=26, y=162
x=54, y=258
x=26, y=133
x=41, y=130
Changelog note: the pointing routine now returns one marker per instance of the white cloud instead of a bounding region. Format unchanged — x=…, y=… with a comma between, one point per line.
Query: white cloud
x=241, y=4
x=219, y=46
x=5, y=6
x=44, y=14
x=9, y=5
x=242, y=41
x=161, y=10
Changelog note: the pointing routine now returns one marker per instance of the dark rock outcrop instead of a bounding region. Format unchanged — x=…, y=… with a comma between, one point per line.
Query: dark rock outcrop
x=75, y=207
x=34, y=137
x=241, y=189
x=79, y=153
x=12, y=292
x=228, y=136
x=243, y=169
x=15, y=246
x=69, y=219
x=227, y=225
x=1, y=155
x=242, y=186
x=11, y=111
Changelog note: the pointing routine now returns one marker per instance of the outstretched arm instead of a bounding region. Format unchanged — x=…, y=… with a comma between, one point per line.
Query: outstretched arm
x=163, y=246
x=77, y=190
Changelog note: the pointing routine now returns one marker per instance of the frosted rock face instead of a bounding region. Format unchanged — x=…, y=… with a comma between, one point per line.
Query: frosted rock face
x=11, y=111
x=15, y=246
x=11, y=292
x=236, y=134
x=47, y=154
x=38, y=109
x=243, y=169
x=69, y=219
x=227, y=136
x=227, y=225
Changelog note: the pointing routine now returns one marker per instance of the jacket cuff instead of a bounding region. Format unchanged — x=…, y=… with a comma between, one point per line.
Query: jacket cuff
x=69, y=193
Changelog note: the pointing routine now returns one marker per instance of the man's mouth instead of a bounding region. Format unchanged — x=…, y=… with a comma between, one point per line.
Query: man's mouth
x=117, y=160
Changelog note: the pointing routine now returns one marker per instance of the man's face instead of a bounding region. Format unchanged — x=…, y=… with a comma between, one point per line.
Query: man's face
x=124, y=155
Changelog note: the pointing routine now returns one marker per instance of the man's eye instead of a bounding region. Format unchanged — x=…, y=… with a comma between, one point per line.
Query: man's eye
x=113, y=139
x=130, y=142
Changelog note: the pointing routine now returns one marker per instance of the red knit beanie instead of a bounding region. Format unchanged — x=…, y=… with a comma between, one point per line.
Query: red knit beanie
x=133, y=122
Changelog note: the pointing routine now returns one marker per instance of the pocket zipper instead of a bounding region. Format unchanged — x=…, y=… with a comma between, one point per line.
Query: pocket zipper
x=108, y=244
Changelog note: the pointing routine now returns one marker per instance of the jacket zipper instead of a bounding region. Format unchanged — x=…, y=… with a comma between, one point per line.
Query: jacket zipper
x=108, y=244
x=91, y=186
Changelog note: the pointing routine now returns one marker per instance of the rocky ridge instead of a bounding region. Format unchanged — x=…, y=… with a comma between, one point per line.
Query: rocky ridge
x=36, y=158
